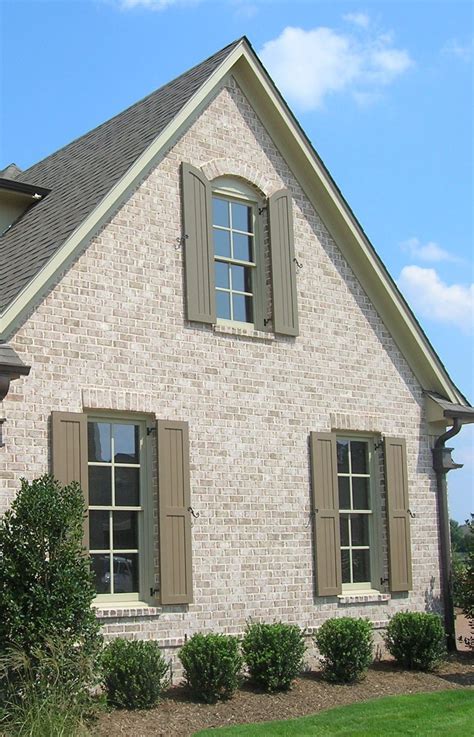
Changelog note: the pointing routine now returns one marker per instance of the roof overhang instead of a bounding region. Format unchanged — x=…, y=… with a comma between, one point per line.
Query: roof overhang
x=318, y=185
x=11, y=367
x=440, y=412
x=29, y=190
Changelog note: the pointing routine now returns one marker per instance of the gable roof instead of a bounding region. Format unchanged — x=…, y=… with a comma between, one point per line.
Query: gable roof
x=92, y=176
x=80, y=175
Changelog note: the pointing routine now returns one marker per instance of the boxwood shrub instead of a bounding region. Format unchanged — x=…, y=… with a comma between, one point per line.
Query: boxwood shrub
x=345, y=646
x=212, y=665
x=416, y=640
x=135, y=673
x=273, y=654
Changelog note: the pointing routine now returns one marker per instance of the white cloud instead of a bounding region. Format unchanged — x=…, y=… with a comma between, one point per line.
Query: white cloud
x=430, y=251
x=432, y=298
x=309, y=65
x=358, y=19
x=463, y=51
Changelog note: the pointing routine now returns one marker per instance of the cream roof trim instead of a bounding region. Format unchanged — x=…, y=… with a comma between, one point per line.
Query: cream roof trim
x=318, y=186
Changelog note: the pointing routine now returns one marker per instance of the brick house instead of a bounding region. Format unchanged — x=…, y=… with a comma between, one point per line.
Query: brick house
x=196, y=328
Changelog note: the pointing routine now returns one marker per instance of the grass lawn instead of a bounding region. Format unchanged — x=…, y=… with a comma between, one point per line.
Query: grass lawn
x=447, y=713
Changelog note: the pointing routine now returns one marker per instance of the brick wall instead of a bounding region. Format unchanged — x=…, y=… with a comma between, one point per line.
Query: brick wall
x=112, y=334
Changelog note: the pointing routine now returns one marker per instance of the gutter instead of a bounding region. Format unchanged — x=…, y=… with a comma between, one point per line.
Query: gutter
x=442, y=463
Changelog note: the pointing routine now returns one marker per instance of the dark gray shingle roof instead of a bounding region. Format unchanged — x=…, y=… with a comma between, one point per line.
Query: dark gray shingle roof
x=80, y=175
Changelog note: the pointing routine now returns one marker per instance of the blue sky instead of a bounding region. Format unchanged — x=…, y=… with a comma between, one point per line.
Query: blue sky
x=383, y=89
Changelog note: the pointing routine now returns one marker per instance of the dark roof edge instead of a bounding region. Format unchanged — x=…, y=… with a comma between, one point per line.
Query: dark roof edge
x=23, y=187
x=450, y=410
x=11, y=363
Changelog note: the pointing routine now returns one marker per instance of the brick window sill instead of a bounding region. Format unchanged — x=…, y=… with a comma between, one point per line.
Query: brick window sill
x=244, y=332
x=363, y=597
x=138, y=609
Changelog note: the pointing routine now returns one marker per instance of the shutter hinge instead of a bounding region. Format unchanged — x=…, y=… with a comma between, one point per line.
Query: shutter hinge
x=299, y=265
x=261, y=209
x=149, y=430
x=180, y=241
x=377, y=446
x=154, y=592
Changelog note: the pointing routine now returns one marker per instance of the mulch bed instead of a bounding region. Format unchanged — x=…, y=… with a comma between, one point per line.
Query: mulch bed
x=179, y=716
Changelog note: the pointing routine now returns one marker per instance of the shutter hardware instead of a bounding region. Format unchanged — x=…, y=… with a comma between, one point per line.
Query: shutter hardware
x=153, y=591
x=180, y=241
x=149, y=430
x=300, y=266
x=196, y=515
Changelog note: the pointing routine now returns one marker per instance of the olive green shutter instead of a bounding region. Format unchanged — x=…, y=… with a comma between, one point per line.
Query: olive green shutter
x=174, y=513
x=69, y=453
x=326, y=513
x=285, y=304
x=198, y=246
x=398, y=514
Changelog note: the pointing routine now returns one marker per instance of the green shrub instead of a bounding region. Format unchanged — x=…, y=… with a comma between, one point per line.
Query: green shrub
x=416, y=640
x=46, y=587
x=345, y=644
x=135, y=673
x=212, y=665
x=273, y=654
x=36, y=701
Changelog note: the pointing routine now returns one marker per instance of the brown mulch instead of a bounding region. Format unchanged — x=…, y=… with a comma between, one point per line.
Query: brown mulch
x=179, y=716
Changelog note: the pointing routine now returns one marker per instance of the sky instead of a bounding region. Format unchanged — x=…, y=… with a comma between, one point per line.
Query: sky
x=384, y=90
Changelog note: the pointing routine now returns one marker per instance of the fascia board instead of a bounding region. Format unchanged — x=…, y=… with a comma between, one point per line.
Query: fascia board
x=14, y=313
x=347, y=233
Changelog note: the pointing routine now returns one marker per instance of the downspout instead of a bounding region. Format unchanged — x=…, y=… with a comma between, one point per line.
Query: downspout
x=442, y=463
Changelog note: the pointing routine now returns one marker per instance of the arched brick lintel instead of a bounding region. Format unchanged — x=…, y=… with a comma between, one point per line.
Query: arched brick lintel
x=235, y=168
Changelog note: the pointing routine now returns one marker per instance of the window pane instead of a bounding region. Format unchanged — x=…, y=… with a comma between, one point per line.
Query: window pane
x=241, y=279
x=344, y=527
x=222, y=275
x=99, y=532
x=100, y=486
x=242, y=247
x=125, y=573
x=346, y=566
x=100, y=566
x=360, y=529
x=99, y=441
x=222, y=243
x=220, y=212
x=242, y=217
x=223, y=305
x=359, y=456
x=343, y=456
x=125, y=530
x=126, y=443
x=127, y=487
x=344, y=493
x=242, y=307
x=361, y=566
x=360, y=493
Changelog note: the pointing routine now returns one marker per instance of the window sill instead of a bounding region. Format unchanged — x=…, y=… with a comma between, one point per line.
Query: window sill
x=122, y=609
x=242, y=330
x=363, y=597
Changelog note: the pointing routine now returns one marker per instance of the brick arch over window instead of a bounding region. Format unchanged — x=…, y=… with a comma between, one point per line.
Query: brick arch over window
x=235, y=168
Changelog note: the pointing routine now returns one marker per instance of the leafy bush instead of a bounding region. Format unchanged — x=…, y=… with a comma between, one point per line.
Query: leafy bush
x=416, y=640
x=273, y=654
x=465, y=587
x=46, y=587
x=345, y=644
x=135, y=673
x=212, y=665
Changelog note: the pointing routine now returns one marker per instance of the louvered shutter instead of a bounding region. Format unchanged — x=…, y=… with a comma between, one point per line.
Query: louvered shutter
x=174, y=513
x=198, y=246
x=398, y=515
x=285, y=303
x=69, y=454
x=326, y=513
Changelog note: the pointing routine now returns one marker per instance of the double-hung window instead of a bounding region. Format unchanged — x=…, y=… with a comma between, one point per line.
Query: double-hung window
x=117, y=502
x=354, y=476
x=234, y=237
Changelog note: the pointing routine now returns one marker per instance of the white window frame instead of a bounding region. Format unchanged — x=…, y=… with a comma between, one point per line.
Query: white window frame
x=373, y=512
x=235, y=190
x=145, y=511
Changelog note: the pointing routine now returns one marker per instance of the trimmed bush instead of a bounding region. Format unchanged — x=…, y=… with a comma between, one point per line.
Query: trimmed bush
x=212, y=665
x=273, y=654
x=135, y=673
x=416, y=640
x=345, y=645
